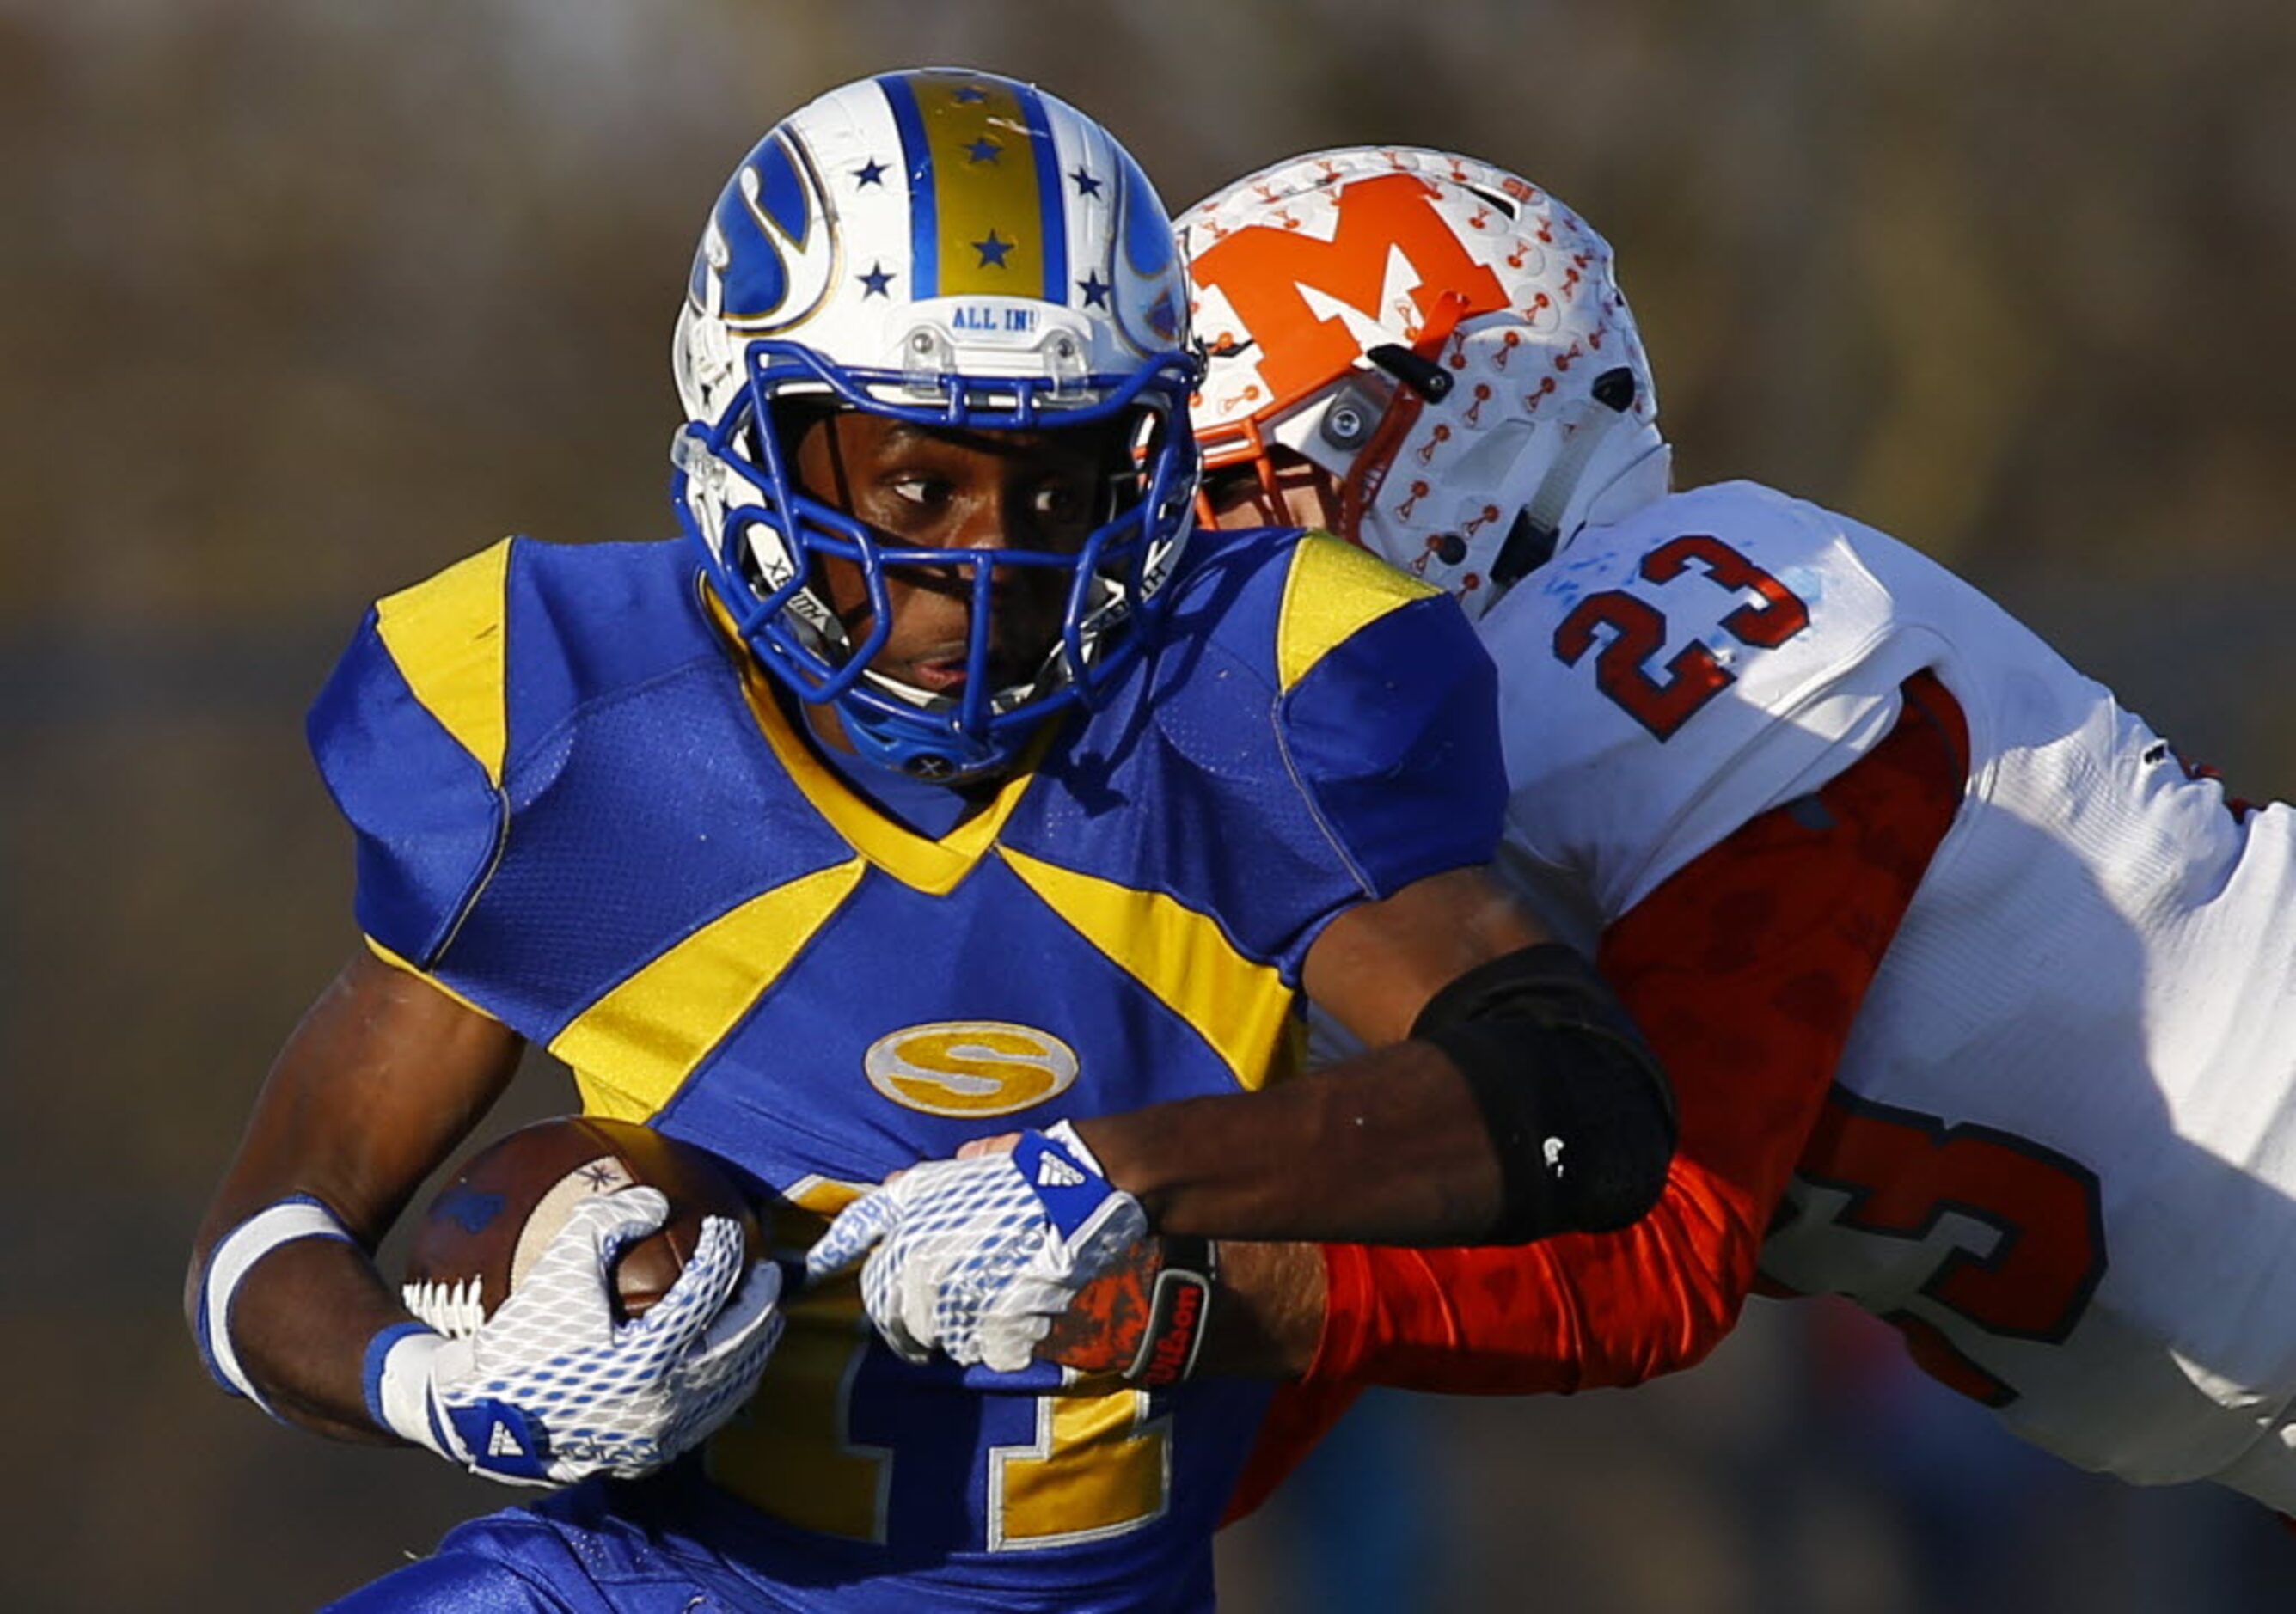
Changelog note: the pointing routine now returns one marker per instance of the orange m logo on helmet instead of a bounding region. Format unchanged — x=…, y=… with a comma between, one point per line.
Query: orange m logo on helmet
x=1263, y=272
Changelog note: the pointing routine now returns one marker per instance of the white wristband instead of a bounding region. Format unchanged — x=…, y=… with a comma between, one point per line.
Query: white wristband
x=399, y=1385
x=234, y=1255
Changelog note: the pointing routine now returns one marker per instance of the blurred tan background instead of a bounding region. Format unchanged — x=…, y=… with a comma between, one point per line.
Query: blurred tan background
x=303, y=300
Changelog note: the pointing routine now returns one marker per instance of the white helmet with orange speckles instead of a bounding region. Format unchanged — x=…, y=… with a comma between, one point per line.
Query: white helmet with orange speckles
x=1441, y=337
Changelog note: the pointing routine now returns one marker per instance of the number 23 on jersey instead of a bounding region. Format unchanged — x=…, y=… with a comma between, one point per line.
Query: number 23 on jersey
x=1662, y=699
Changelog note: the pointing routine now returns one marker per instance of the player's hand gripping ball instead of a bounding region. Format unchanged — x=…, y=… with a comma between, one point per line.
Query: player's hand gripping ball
x=486, y=1229
x=559, y=1344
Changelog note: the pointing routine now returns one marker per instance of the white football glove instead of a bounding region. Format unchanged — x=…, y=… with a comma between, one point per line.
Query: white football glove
x=976, y=1257
x=550, y=1389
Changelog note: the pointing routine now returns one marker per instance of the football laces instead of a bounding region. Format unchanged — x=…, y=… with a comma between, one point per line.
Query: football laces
x=455, y=1309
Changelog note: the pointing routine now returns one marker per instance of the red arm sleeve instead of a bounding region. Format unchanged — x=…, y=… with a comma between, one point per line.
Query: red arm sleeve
x=1745, y=971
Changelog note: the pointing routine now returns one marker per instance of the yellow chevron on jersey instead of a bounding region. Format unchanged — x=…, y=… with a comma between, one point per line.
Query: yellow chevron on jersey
x=633, y=1048
x=1239, y=1006
x=917, y=861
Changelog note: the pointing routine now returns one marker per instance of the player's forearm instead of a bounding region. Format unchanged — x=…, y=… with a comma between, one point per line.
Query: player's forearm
x=1525, y=1104
x=1267, y=1313
x=1584, y=1312
x=373, y=1090
x=1387, y=1148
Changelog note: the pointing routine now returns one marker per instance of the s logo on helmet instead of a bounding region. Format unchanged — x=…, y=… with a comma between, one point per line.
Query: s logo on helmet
x=767, y=258
x=1149, y=312
x=970, y=1068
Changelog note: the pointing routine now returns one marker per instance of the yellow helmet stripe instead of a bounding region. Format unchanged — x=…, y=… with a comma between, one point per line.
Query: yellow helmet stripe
x=989, y=216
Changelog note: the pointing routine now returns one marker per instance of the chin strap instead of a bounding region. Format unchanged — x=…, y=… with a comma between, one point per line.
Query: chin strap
x=1417, y=366
x=1531, y=542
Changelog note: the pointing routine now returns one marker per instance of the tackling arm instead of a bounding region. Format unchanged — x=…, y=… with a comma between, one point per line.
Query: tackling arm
x=1751, y=1015
x=1746, y=970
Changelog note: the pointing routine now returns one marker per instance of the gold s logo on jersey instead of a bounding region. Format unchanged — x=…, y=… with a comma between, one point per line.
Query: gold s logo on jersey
x=970, y=1066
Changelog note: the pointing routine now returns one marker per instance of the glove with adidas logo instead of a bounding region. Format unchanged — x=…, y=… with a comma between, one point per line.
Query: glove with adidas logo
x=975, y=1257
x=551, y=1389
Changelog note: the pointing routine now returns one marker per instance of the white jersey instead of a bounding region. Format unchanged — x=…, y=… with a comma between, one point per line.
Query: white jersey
x=2059, y=1151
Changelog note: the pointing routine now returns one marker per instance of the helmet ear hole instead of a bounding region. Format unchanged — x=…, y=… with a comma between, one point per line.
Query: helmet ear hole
x=1528, y=546
x=1349, y=419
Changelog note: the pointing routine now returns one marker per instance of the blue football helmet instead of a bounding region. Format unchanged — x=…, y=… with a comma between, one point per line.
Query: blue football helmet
x=956, y=250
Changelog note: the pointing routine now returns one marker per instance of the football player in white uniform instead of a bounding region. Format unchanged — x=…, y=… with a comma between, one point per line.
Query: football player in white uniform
x=2037, y=1099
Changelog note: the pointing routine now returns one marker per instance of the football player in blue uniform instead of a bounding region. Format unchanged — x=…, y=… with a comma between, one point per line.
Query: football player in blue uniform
x=942, y=777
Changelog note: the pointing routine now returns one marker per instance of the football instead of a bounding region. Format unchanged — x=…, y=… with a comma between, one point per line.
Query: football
x=487, y=1227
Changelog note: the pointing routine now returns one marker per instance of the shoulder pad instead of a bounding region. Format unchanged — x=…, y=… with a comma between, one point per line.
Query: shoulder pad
x=409, y=735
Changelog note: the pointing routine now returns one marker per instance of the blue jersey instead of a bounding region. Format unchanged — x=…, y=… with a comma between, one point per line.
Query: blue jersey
x=581, y=808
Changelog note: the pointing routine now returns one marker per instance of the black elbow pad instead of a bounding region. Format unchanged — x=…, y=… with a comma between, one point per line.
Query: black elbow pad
x=1577, y=1107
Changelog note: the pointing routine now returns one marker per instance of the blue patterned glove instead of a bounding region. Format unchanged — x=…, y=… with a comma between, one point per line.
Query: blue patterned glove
x=551, y=1389
x=976, y=1257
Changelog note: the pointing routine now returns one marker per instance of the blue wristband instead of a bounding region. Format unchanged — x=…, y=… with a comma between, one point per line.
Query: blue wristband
x=371, y=1376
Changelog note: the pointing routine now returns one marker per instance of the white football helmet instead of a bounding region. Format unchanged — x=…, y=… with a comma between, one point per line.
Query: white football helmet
x=1442, y=338
x=953, y=250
